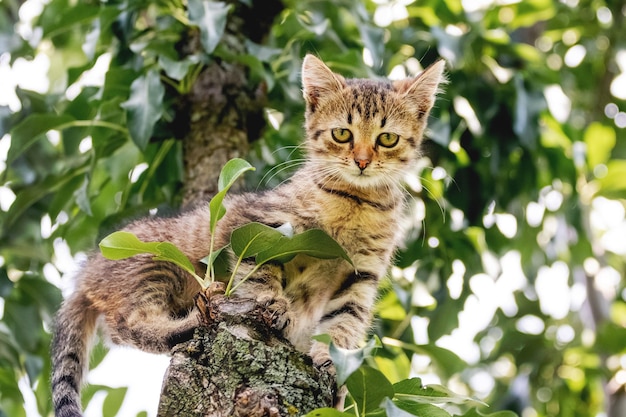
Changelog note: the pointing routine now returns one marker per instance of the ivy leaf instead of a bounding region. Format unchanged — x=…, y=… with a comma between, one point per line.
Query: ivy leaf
x=313, y=242
x=175, y=68
x=81, y=196
x=31, y=129
x=30, y=196
x=373, y=38
x=210, y=17
x=144, y=107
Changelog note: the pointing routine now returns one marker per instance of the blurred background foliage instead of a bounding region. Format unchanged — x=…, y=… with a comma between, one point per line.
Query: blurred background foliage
x=510, y=286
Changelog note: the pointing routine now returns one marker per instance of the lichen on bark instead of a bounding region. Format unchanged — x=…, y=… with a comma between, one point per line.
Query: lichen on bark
x=238, y=365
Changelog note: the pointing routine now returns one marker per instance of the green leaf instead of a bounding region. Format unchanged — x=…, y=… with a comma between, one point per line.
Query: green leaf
x=313, y=242
x=31, y=129
x=31, y=195
x=113, y=401
x=447, y=361
x=169, y=252
x=122, y=245
x=413, y=390
x=475, y=413
x=348, y=361
x=210, y=17
x=232, y=170
x=373, y=39
x=79, y=13
x=212, y=257
x=414, y=409
x=19, y=316
x=368, y=387
x=176, y=69
x=600, y=141
x=393, y=410
x=252, y=238
x=610, y=338
x=144, y=107
x=327, y=412
x=8, y=382
x=81, y=195
x=612, y=185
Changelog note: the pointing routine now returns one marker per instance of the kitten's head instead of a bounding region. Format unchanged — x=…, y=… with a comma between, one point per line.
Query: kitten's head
x=365, y=132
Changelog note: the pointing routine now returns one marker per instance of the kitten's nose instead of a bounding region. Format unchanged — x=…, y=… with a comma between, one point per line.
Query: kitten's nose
x=362, y=155
x=361, y=163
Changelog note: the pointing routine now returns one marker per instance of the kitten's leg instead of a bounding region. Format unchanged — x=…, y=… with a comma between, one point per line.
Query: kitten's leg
x=150, y=329
x=158, y=310
x=346, y=320
x=347, y=316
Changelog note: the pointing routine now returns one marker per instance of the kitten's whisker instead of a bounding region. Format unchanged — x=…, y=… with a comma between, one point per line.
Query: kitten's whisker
x=278, y=169
x=433, y=197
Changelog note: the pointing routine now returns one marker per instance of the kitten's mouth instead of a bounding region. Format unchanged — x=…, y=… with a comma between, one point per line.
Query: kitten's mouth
x=365, y=178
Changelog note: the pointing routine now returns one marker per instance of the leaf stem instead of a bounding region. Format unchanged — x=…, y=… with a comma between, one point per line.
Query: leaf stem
x=230, y=290
x=210, y=271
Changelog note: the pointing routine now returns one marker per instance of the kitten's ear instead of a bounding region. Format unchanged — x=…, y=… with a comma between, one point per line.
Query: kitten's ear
x=423, y=89
x=318, y=80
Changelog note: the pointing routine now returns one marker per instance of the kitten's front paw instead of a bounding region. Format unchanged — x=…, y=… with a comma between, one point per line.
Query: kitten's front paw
x=326, y=366
x=321, y=358
x=277, y=311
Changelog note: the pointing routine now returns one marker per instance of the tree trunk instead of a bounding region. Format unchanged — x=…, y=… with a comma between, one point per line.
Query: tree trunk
x=237, y=364
x=223, y=109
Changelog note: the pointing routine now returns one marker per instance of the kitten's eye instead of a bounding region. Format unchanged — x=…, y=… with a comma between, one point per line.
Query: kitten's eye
x=341, y=135
x=388, y=140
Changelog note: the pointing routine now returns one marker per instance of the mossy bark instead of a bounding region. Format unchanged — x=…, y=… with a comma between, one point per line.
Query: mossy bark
x=224, y=110
x=238, y=365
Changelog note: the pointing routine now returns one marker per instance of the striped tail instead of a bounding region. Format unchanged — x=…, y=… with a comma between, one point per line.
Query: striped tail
x=75, y=326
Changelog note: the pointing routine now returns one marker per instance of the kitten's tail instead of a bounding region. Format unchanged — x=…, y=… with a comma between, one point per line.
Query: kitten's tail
x=75, y=327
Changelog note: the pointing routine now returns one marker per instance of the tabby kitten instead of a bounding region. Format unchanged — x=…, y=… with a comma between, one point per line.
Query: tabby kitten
x=361, y=136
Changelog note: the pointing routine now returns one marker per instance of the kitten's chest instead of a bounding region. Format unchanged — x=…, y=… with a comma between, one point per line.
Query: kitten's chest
x=361, y=229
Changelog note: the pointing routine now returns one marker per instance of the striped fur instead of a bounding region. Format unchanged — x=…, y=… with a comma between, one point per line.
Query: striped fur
x=351, y=190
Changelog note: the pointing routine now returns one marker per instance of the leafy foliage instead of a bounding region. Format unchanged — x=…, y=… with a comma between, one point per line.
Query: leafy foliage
x=510, y=285
x=370, y=393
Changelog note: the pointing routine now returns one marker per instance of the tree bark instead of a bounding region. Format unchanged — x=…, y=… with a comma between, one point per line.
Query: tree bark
x=237, y=364
x=223, y=109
